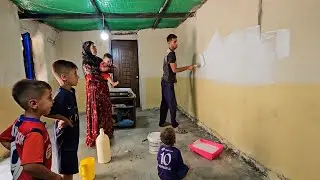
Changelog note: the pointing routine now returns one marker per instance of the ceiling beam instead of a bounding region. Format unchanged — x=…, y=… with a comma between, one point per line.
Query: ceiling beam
x=193, y=11
x=124, y=33
x=94, y=4
x=161, y=11
x=46, y=16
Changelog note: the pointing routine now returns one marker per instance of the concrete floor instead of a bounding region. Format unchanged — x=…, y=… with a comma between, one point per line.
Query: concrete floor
x=131, y=159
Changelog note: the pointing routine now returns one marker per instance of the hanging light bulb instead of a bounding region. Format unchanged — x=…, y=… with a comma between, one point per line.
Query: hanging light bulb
x=104, y=35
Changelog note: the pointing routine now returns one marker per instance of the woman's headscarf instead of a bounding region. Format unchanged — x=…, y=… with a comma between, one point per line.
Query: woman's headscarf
x=87, y=57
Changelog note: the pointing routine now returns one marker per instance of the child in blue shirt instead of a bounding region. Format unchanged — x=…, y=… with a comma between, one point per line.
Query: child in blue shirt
x=65, y=104
x=170, y=162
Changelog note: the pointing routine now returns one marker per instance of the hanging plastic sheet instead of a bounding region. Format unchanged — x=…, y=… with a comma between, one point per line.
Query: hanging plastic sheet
x=27, y=54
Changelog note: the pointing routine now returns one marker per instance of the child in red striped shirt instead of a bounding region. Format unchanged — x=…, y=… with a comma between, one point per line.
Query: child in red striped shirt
x=27, y=138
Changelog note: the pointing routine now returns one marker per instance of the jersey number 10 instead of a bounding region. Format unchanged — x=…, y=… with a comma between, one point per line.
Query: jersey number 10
x=165, y=159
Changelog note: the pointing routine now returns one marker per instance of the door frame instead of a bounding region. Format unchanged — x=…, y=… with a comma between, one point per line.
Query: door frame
x=138, y=66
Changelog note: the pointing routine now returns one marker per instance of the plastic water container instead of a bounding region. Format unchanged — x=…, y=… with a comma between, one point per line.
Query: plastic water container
x=87, y=168
x=103, y=147
x=154, y=142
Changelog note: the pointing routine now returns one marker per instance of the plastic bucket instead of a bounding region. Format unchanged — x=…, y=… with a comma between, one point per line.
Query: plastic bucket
x=154, y=142
x=87, y=168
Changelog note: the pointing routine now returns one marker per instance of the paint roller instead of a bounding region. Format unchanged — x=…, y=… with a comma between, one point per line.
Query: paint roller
x=197, y=65
x=202, y=63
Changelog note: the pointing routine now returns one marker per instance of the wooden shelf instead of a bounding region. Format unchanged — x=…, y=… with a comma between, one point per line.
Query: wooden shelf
x=124, y=103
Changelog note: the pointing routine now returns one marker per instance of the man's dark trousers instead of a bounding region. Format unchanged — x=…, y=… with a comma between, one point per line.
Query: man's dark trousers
x=168, y=102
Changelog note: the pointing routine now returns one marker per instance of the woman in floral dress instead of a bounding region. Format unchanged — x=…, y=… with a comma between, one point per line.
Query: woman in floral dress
x=98, y=104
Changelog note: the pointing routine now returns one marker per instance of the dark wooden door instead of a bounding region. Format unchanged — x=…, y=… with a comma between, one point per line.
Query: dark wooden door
x=125, y=57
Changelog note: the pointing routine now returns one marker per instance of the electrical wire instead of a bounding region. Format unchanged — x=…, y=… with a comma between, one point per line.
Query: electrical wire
x=103, y=22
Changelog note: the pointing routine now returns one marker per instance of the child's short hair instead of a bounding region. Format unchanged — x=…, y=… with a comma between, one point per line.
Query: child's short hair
x=107, y=55
x=168, y=136
x=60, y=67
x=170, y=37
x=25, y=90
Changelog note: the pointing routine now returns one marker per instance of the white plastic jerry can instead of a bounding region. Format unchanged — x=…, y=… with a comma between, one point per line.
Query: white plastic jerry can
x=103, y=147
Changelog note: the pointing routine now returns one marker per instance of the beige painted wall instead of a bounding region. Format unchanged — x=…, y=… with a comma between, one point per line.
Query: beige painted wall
x=45, y=44
x=70, y=48
x=44, y=47
x=151, y=45
x=274, y=123
x=11, y=50
x=70, y=44
x=11, y=68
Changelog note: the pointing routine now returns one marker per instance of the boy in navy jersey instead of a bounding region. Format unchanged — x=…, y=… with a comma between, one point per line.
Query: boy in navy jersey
x=65, y=104
x=170, y=162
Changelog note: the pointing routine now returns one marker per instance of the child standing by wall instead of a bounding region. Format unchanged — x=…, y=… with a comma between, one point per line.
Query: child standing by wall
x=170, y=162
x=27, y=138
x=65, y=104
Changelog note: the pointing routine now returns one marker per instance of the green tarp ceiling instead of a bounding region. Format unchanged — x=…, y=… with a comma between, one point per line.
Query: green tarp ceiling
x=120, y=7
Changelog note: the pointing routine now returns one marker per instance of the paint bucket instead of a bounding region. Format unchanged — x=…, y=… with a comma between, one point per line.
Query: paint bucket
x=154, y=142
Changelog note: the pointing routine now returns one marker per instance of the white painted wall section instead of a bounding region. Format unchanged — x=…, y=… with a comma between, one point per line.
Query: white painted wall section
x=244, y=56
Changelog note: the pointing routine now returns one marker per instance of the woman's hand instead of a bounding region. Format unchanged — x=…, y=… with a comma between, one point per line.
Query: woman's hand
x=115, y=84
x=61, y=124
x=63, y=121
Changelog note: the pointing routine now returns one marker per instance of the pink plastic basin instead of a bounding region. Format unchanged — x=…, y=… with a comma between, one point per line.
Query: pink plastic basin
x=206, y=148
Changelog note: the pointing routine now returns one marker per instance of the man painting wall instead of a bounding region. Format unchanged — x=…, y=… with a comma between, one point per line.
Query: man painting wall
x=167, y=85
